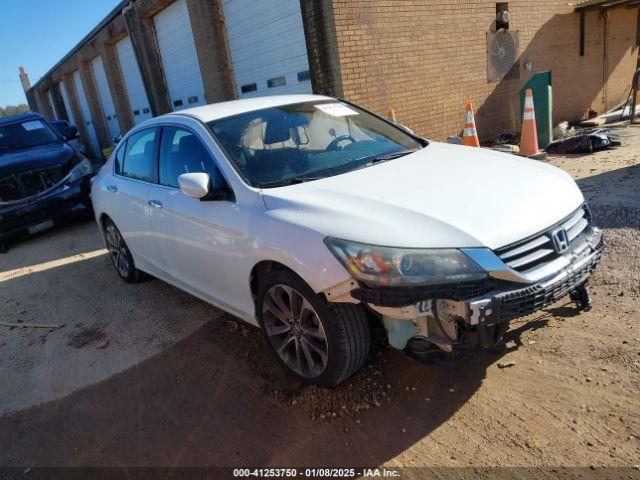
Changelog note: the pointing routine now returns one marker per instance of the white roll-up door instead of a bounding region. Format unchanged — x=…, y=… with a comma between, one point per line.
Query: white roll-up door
x=67, y=104
x=267, y=45
x=52, y=105
x=86, y=113
x=104, y=94
x=133, y=83
x=179, y=56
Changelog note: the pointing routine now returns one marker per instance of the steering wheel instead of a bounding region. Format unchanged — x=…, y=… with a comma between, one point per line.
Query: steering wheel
x=333, y=146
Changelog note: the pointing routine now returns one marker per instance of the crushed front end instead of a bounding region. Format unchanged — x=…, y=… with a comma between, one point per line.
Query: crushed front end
x=40, y=198
x=520, y=279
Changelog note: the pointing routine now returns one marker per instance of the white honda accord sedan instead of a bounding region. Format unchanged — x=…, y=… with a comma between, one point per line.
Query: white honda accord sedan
x=312, y=218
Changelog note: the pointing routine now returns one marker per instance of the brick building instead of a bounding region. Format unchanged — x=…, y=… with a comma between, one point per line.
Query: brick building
x=424, y=57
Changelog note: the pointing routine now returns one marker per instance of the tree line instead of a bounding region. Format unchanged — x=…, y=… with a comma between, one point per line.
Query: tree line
x=13, y=109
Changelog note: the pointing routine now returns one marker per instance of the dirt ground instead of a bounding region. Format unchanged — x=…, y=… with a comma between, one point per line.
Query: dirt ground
x=146, y=375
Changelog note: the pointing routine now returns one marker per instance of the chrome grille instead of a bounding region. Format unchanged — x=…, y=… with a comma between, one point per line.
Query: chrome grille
x=25, y=184
x=533, y=252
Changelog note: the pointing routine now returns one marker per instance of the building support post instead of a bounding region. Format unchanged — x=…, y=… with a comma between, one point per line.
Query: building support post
x=209, y=34
x=43, y=101
x=322, y=47
x=99, y=121
x=58, y=102
x=80, y=121
x=143, y=40
x=116, y=87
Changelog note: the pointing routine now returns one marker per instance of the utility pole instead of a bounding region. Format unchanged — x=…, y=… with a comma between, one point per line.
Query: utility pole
x=26, y=86
x=24, y=79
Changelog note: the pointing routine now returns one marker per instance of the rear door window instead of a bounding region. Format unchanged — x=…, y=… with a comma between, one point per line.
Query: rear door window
x=139, y=156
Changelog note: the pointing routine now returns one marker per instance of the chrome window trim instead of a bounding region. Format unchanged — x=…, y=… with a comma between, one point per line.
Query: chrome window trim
x=159, y=126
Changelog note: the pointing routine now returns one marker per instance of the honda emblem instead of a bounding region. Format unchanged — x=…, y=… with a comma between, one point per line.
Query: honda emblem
x=560, y=240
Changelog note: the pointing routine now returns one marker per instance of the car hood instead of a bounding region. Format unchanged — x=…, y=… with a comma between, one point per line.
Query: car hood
x=36, y=157
x=440, y=196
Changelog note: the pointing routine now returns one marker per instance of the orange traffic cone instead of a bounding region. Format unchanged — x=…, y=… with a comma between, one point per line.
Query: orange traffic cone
x=391, y=115
x=529, y=136
x=470, y=135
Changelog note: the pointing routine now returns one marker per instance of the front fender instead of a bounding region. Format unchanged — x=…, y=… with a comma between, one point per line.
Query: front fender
x=303, y=251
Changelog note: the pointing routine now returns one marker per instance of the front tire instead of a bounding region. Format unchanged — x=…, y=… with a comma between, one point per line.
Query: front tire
x=316, y=341
x=120, y=254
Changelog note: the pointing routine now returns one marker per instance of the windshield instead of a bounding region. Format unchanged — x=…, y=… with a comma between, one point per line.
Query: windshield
x=307, y=141
x=26, y=134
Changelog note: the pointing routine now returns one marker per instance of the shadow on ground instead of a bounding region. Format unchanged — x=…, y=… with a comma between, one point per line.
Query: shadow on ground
x=39, y=246
x=206, y=401
x=614, y=196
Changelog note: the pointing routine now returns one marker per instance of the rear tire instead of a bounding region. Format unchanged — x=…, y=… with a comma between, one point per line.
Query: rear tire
x=316, y=341
x=120, y=254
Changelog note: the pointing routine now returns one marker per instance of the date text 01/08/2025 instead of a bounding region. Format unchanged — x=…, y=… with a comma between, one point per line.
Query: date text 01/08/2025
x=315, y=473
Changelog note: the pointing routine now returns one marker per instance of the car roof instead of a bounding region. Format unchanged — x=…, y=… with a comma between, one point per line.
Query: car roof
x=215, y=111
x=18, y=118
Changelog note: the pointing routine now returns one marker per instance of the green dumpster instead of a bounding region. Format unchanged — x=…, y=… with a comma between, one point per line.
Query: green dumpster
x=540, y=84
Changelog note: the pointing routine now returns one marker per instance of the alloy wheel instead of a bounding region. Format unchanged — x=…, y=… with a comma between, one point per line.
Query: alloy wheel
x=118, y=251
x=295, y=331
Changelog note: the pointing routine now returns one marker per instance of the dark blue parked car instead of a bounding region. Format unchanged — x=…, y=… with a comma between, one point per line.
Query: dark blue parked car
x=43, y=181
x=62, y=127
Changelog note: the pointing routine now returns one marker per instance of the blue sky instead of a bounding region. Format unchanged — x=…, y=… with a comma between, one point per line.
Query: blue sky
x=36, y=34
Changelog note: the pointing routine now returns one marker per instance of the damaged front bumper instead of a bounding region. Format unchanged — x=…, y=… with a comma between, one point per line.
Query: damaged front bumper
x=442, y=315
x=62, y=204
x=502, y=306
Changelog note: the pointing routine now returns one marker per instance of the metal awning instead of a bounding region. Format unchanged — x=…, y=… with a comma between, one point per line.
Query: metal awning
x=603, y=4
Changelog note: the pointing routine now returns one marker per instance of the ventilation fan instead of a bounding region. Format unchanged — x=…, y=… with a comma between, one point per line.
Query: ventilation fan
x=502, y=55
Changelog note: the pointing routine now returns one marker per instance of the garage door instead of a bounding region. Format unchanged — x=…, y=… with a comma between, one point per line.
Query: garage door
x=179, y=56
x=67, y=105
x=104, y=94
x=86, y=113
x=133, y=83
x=267, y=45
x=52, y=105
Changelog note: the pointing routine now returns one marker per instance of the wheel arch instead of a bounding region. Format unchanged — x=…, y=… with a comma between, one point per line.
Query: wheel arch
x=101, y=219
x=261, y=269
x=316, y=282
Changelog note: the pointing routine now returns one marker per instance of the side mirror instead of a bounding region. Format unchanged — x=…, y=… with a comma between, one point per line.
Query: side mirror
x=71, y=132
x=202, y=185
x=195, y=185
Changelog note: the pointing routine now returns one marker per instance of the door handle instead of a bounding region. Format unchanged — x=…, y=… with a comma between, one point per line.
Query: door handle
x=155, y=203
x=112, y=188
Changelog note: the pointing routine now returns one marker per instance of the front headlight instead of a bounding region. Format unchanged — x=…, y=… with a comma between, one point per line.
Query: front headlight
x=392, y=266
x=81, y=169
